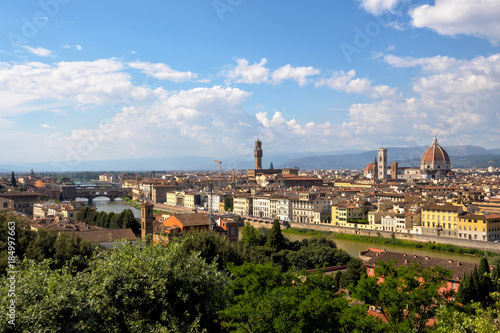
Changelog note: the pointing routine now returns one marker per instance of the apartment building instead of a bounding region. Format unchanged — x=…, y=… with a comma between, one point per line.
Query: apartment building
x=481, y=227
x=441, y=219
x=261, y=207
x=243, y=204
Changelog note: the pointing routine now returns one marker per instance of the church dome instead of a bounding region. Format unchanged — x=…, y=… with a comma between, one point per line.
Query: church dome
x=370, y=168
x=435, y=153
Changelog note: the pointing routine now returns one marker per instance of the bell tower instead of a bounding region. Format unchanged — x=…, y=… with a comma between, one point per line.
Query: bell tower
x=147, y=220
x=258, y=154
x=382, y=163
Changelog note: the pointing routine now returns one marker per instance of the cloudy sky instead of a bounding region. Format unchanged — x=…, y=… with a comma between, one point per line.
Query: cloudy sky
x=97, y=80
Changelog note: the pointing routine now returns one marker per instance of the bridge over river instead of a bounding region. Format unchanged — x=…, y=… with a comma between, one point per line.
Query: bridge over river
x=71, y=192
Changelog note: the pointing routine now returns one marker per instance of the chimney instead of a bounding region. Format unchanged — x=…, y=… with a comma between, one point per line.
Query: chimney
x=426, y=258
x=404, y=254
x=450, y=261
x=415, y=256
x=406, y=261
x=458, y=263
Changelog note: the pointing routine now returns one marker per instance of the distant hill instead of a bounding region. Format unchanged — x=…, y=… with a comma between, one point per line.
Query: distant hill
x=461, y=156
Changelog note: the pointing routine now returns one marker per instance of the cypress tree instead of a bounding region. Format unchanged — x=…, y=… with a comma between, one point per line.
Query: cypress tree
x=13, y=181
x=275, y=239
x=484, y=267
x=464, y=294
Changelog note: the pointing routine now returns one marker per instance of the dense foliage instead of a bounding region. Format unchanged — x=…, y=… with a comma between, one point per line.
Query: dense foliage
x=62, y=249
x=110, y=220
x=201, y=282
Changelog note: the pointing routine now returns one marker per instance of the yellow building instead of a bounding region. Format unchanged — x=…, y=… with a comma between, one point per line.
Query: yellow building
x=243, y=204
x=479, y=227
x=441, y=219
x=341, y=214
x=352, y=185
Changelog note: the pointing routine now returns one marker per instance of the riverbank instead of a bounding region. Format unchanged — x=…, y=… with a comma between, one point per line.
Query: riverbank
x=132, y=203
x=137, y=205
x=394, y=242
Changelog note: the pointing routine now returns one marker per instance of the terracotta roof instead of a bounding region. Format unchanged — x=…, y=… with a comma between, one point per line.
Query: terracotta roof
x=106, y=235
x=442, y=207
x=370, y=167
x=191, y=220
x=435, y=153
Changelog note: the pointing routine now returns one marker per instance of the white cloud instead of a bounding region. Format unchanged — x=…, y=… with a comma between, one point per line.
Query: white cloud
x=377, y=7
x=97, y=82
x=478, y=18
x=39, y=51
x=347, y=82
x=429, y=64
x=46, y=126
x=275, y=121
x=162, y=71
x=198, y=119
x=76, y=47
x=245, y=73
x=298, y=74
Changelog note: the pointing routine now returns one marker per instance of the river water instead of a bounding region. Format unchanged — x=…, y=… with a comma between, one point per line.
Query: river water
x=352, y=247
x=105, y=205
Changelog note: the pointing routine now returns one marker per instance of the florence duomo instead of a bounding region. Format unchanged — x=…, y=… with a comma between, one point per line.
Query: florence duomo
x=434, y=164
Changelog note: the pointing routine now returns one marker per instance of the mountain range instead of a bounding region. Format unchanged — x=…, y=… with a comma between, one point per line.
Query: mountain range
x=463, y=156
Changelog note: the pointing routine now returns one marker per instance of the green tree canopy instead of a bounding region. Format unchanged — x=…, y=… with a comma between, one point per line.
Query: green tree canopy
x=141, y=288
x=406, y=296
x=275, y=239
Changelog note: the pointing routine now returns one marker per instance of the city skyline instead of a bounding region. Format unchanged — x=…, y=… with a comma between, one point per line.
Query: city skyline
x=122, y=80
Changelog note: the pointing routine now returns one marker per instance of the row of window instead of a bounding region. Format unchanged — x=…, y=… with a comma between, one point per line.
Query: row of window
x=433, y=217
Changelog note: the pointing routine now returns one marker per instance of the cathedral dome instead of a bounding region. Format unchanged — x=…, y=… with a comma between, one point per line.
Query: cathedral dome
x=370, y=168
x=435, y=153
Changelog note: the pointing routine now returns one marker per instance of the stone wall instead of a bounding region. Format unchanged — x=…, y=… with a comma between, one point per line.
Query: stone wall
x=488, y=246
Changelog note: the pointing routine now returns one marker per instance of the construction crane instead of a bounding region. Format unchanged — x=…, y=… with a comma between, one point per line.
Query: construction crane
x=220, y=163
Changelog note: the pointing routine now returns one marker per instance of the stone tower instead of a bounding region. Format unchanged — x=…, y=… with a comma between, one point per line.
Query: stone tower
x=382, y=163
x=258, y=154
x=394, y=170
x=147, y=220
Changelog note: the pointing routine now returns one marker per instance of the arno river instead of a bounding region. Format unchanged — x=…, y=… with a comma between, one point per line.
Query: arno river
x=352, y=247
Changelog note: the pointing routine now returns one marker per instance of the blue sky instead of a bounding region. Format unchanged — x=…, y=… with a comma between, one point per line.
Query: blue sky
x=97, y=80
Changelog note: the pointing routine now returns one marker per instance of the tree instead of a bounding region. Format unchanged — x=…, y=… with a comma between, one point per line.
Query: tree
x=478, y=320
x=262, y=298
x=212, y=247
x=228, y=203
x=251, y=236
x=355, y=270
x=129, y=221
x=275, y=239
x=477, y=286
x=13, y=181
x=271, y=166
x=142, y=288
x=39, y=245
x=407, y=296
